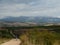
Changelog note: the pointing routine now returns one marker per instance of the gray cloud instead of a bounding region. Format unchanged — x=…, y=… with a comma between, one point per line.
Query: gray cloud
x=17, y=1
x=29, y=7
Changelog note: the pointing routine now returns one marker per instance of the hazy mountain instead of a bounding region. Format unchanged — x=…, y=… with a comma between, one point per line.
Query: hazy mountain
x=36, y=19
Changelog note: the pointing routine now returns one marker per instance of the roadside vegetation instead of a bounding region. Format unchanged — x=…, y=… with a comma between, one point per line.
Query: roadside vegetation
x=37, y=35
x=5, y=36
x=3, y=40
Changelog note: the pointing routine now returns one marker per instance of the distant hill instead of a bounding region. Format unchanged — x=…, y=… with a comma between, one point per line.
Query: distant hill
x=36, y=19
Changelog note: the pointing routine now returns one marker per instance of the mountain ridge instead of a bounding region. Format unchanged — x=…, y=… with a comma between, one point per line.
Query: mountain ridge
x=37, y=19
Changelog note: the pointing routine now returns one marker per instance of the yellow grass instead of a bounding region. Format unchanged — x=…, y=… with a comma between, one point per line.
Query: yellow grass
x=3, y=40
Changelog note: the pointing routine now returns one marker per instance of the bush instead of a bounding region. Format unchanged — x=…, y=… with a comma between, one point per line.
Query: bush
x=37, y=37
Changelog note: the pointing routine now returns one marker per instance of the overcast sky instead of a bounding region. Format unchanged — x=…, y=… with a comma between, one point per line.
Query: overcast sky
x=29, y=8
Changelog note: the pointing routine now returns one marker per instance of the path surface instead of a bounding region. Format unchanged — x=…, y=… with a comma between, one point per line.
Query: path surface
x=12, y=42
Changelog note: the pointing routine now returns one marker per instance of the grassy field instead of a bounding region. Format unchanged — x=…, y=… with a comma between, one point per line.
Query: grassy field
x=40, y=37
x=37, y=35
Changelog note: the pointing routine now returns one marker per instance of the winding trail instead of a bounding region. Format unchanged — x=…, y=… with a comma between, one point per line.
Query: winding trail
x=12, y=42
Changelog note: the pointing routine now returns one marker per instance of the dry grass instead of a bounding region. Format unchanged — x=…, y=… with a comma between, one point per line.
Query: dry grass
x=36, y=37
x=3, y=40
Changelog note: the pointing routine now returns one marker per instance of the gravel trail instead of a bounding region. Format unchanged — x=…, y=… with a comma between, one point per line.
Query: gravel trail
x=12, y=42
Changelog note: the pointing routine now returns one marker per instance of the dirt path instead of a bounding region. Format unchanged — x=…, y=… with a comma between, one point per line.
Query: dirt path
x=12, y=42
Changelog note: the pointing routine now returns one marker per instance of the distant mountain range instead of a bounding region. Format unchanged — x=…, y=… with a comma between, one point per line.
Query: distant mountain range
x=35, y=19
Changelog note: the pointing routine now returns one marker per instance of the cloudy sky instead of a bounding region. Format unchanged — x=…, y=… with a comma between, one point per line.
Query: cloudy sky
x=29, y=8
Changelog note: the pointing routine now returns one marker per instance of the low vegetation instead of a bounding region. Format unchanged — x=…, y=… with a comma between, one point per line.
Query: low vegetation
x=3, y=40
x=40, y=37
x=37, y=35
